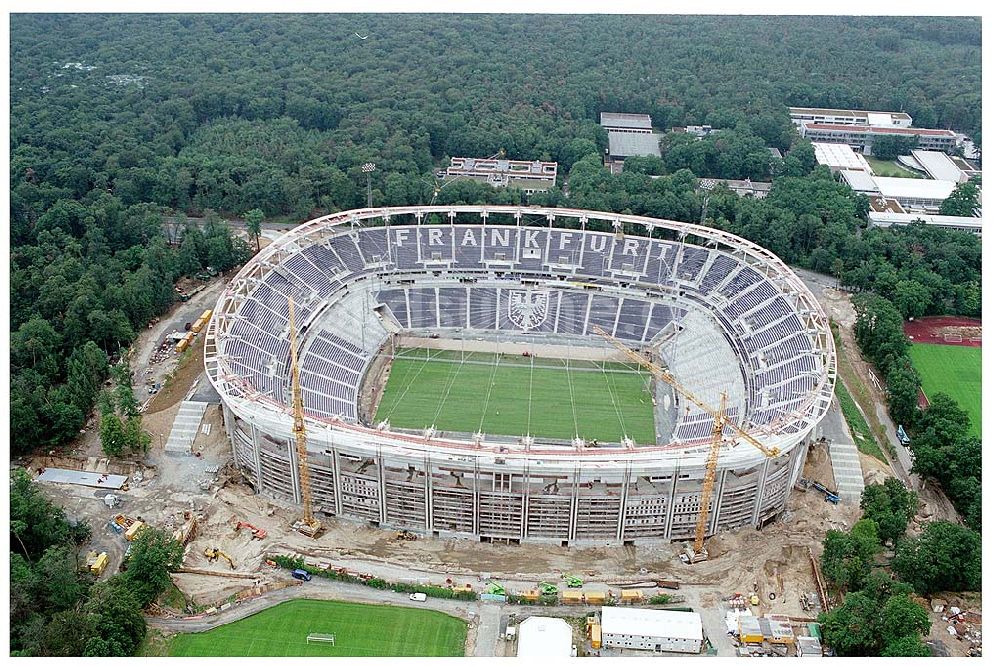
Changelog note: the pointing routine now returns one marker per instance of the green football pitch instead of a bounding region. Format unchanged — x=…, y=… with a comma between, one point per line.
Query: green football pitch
x=956, y=371
x=514, y=395
x=360, y=630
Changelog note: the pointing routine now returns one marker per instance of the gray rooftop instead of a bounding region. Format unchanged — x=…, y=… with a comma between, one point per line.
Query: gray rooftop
x=80, y=478
x=629, y=144
x=628, y=120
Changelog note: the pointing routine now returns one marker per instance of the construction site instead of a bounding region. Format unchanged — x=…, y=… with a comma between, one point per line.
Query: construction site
x=245, y=503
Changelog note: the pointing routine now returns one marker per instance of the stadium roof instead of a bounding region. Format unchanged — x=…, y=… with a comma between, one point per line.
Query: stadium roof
x=839, y=156
x=913, y=188
x=629, y=120
x=630, y=144
x=647, y=622
x=938, y=165
x=545, y=637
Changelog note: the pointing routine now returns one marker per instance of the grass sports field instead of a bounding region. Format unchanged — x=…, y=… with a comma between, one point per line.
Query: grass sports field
x=514, y=395
x=361, y=630
x=955, y=370
x=890, y=168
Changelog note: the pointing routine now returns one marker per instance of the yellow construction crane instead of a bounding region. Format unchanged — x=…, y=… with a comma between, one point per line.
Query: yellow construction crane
x=308, y=525
x=720, y=420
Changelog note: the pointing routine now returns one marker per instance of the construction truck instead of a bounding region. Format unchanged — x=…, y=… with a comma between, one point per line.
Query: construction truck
x=573, y=581
x=495, y=588
x=547, y=589
x=215, y=553
x=95, y=562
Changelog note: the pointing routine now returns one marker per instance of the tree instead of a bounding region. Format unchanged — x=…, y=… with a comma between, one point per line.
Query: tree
x=891, y=146
x=945, y=557
x=906, y=646
x=891, y=506
x=112, y=434
x=847, y=556
x=963, y=200
x=254, y=218
x=901, y=616
x=850, y=628
x=155, y=554
x=119, y=622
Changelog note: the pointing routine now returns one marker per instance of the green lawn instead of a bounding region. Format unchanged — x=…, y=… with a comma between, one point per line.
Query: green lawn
x=890, y=168
x=955, y=370
x=547, y=398
x=860, y=431
x=361, y=630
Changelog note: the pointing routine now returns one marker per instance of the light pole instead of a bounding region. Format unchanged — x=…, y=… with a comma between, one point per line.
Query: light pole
x=367, y=168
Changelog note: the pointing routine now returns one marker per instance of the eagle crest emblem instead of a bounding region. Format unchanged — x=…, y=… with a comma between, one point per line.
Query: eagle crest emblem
x=528, y=309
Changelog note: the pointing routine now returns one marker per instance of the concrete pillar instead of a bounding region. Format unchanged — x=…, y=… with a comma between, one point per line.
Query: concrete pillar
x=760, y=491
x=335, y=456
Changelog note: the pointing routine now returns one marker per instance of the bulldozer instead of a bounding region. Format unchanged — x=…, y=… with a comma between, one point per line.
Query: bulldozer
x=215, y=553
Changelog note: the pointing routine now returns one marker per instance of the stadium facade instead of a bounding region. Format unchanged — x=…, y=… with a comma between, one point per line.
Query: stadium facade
x=722, y=313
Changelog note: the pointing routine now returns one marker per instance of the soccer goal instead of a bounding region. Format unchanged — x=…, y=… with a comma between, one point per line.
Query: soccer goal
x=952, y=337
x=330, y=639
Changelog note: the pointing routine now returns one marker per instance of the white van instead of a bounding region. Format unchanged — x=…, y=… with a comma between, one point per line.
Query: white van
x=418, y=596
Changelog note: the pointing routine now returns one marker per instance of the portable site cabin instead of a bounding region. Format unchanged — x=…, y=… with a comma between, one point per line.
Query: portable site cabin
x=572, y=596
x=595, y=598
x=531, y=595
x=655, y=630
x=594, y=632
x=777, y=629
x=632, y=596
x=750, y=631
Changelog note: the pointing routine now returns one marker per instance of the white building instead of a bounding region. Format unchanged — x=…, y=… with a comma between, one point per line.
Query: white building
x=542, y=637
x=840, y=157
x=656, y=630
x=912, y=194
x=526, y=175
x=890, y=219
x=939, y=166
x=802, y=115
x=863, y=137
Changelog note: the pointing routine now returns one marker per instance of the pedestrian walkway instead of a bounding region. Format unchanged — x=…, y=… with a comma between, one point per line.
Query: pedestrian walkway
x=185, y=428
x=844, y=456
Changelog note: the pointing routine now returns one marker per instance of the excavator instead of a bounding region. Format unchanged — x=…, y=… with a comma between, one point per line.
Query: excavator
x=215, y=553
x=720, y=421
x=308, y=525
x=255, y=532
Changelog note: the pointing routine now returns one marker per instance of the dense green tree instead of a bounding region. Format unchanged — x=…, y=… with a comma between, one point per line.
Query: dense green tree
x=945, y=557
x=254, y=218
x=119, y=623
x=891, y=506
x=847, y=556
x=851, y=628
x=155, y=554
x=907, y=646
x=964, y=200
x=891, y=146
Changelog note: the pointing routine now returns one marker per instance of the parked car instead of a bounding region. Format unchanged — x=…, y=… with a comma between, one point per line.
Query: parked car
x=302, y=575
x=418, y=596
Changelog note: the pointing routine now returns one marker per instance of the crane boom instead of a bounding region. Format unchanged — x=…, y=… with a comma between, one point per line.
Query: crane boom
x=719, y=422
x=308, y=525
x=667, y=377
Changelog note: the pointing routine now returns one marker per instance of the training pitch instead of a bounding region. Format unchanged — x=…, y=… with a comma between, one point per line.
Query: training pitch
x=361, y=630
x=516, y=395
x=956, y=371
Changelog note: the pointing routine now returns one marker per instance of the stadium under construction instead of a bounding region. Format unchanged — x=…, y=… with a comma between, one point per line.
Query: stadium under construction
x=721, y=315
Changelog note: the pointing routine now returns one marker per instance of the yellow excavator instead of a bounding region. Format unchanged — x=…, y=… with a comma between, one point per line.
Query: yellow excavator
x=720, y=421
x=215, y=553
x=308, y=525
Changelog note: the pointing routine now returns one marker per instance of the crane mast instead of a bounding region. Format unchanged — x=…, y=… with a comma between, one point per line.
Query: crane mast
x=308, y=525
x=720, y=420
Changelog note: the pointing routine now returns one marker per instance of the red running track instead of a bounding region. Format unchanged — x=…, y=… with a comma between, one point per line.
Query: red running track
x=934, y=329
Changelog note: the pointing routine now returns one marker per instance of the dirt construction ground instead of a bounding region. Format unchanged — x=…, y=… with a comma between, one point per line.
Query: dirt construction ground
x=775, y=559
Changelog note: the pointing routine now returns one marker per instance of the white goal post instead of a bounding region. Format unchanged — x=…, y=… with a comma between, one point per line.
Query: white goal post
x=322, y=638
